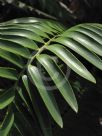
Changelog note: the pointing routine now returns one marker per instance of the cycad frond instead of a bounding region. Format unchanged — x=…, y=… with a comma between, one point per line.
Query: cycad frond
x=26, y=43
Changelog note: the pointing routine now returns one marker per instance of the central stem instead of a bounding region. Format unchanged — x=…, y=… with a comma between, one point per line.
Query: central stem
x=33, y=56
x=39, y=51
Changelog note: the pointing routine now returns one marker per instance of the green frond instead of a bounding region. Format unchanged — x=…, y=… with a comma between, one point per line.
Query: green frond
x=28, y=45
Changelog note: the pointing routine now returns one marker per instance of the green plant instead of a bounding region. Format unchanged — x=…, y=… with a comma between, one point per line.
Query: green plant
x=26, y=43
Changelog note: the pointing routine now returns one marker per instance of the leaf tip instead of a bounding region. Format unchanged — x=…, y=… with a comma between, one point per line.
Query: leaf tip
x=61, y=124
x=93, y=80
x=75, y=108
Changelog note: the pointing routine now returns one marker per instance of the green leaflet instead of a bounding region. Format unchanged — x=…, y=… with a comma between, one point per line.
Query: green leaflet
x=14, y=48
x=91, y=33
x=35, y=106
x=27, y=43
x=92, y=28
x=99, y=26
x=23, y=33
x=7, y=123
x=46, y=96
x=50, y=28
x=26, y=27
x=44, y=29
x=55, y=25
x=6, y=98
x=16, y=60
x=84, y=52
x=44, y=26
x=24, y=96
x=9, y=73
x=69, y=59
x=59, y=79
x=35, y=26
x=85, y=40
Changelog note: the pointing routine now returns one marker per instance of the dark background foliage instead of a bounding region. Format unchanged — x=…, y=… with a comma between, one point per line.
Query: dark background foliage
x=88, y=121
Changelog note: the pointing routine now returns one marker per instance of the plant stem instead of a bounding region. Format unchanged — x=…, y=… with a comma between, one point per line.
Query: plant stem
x=39, y=51
x=31, y=59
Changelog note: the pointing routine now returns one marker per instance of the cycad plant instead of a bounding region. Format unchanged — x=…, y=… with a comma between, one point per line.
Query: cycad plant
x=28, y=47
